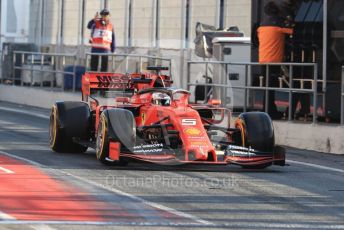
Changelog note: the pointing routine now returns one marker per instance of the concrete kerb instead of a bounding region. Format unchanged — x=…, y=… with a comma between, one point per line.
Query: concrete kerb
x=321, y=138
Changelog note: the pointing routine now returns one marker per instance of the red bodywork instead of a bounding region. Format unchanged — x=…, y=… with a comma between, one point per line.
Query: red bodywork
x=183, y=118
x=179, y=117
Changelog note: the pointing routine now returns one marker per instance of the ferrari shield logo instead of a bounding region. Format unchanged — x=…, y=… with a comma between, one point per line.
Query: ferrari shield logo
x=143, y=117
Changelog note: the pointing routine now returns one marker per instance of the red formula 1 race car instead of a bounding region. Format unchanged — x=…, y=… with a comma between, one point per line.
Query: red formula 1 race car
x=157, y=124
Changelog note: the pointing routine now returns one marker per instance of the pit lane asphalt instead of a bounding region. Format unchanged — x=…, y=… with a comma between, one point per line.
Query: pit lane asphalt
x=296, y=196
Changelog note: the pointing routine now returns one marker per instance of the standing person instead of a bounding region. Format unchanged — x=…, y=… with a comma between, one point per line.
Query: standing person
x=102, y=39
x=271, y=36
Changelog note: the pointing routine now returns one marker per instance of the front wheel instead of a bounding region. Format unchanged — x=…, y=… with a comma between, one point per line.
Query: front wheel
x=117, y=125
x=256, y=132
x=102, y=145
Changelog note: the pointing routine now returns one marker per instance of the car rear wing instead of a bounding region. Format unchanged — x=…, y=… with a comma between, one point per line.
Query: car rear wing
x=93, y=82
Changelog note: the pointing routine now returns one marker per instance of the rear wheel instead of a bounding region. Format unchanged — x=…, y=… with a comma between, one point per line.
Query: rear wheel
x=69, y=121
x=256, y=132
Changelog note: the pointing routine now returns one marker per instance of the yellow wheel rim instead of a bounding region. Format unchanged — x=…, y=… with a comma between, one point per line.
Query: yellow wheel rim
x=102, y=132
x=53, y=127
x=239, y=125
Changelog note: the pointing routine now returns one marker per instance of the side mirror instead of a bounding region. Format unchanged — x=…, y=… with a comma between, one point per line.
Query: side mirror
x=124, y=100
x=93, y=105
x=214, y=102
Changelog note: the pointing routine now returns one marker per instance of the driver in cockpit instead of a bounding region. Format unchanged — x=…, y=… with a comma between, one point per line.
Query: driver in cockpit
x=161, y=99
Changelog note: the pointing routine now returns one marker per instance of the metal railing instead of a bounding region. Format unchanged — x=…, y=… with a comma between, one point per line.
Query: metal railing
x=36, y=65
x=117, y=59
x=342, y=99
x=265, y=87
x=1, y=63
x=36, y=62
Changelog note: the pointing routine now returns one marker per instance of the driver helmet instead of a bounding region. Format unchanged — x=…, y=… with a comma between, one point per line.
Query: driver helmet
x=105, y=12
x=161, y=99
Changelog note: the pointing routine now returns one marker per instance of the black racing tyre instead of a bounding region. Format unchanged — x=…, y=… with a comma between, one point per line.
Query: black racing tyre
x=117, y=125
x=257, y=132
x=69, y=121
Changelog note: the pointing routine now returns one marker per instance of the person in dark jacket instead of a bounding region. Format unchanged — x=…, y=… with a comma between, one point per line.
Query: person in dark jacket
x=271, y=36
x=102, y=39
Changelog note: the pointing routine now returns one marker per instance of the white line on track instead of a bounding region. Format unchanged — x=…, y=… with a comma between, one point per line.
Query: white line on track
x=42, y=227
x=6, y=217
x=232, y=224
x=316, y=166
x=6, y=170
x=119, y=192
x=24, y=112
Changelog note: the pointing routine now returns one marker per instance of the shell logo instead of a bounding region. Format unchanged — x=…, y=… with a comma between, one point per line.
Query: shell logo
x=193, y=131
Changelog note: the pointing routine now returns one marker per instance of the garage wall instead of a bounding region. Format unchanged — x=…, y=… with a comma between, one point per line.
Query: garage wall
x=71, y=22
x=119, y=11
x=51, y=22
x=34, y=25
x=238, y=13
x=171, y=23
x=143, y=26
x=171, y=20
